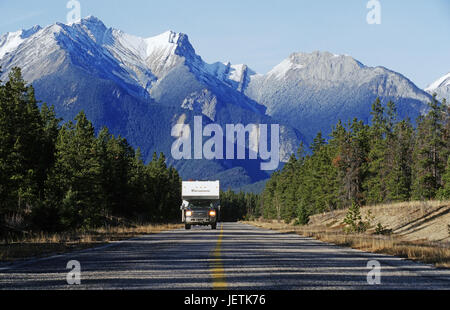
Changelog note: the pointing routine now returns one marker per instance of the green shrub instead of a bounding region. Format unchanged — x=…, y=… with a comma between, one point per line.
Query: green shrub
x=353, y=220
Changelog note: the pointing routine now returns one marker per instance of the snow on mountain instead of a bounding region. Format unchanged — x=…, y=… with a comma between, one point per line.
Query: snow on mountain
x=140, y=65
x=443, y=81
x=235, y=76
x=139, y=86
x=313, y=91
x=11, y=40
x=280, y=71
x=441, y=88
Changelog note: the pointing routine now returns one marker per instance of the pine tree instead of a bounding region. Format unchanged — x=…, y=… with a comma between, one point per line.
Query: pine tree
x=137, y=184
x=173, y=200
x=45, y=213
x=119, y=158
x=324, y=176
x=399, y=176
x=50, y=134
x=353, y=164
x=286, y=192
x=446, y=129
x=429, y=161
x=374, y=183
x=444, y=192
x=270, y=203
x=21, y=134
x=354, y=221
x=76, y=176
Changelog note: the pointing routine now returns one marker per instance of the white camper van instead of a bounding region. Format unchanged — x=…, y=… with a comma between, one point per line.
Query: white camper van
x=200, y=203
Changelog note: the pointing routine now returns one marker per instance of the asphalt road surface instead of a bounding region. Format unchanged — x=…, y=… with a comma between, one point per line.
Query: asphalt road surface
x=235, y=256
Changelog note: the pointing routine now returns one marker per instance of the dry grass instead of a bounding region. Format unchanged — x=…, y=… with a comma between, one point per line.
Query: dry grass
x=39, y=244
x=435, y=253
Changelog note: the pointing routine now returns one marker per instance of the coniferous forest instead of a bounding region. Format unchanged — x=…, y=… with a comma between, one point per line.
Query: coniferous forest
x=60, y=175
x=389, y=160
x=57, y=177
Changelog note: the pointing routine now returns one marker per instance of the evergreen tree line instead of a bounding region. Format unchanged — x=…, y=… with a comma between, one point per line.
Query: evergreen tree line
x=389, y=160
x=238, y=206
x=63, y=177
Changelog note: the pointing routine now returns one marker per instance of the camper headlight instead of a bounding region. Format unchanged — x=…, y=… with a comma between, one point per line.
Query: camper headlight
x=189, y=213
x=212, y=213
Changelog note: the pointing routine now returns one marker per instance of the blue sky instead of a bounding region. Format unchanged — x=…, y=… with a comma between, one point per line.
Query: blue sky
x=413, y=38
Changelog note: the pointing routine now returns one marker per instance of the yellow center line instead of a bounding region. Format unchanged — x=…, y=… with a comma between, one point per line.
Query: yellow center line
x=217, y=271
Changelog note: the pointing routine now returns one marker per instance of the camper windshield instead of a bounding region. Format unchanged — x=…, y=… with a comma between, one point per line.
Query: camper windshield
x=199, y=204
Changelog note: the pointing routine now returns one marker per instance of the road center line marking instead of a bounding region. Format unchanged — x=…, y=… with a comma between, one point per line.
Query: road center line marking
x=217, y=270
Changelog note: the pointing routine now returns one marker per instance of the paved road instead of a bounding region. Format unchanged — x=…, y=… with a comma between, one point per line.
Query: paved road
x=236, y=256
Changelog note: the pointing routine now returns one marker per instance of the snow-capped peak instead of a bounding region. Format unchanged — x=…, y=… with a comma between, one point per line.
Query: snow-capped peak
x=10, y=41
x=284, y=67
x=317, y=63
x=91, y=25
x=443, y=81
x=167, y=41
x=87, y=20
x=91, y=21
x=91, y=18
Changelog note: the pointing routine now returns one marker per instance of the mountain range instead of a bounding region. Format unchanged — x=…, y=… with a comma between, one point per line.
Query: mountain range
x=140, y=87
